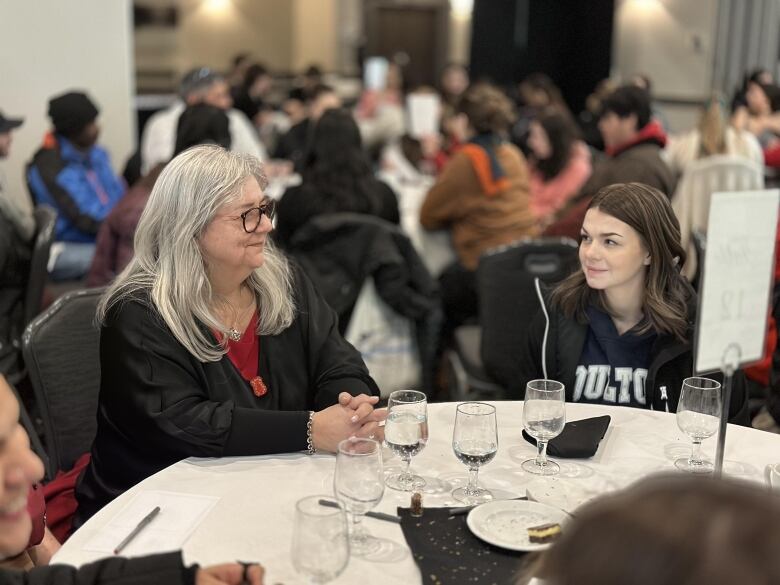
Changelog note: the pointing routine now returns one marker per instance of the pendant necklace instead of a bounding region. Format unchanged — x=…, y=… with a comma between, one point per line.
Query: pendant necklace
x=233, y=333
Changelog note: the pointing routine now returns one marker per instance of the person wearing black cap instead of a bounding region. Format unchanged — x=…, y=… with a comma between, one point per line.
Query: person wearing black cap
x=199, y=86
x=6, y=125
x=74, y=175
x=16, y=233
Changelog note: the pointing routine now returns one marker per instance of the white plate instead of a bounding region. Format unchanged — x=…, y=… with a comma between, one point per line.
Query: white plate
x=505, y=523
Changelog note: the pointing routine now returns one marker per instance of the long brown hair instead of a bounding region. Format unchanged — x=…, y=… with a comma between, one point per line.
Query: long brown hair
x=487, y=108
x=647, y=210
x=712, y=128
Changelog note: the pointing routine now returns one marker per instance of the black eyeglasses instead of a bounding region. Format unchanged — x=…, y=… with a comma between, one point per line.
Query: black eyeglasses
x=251, y=218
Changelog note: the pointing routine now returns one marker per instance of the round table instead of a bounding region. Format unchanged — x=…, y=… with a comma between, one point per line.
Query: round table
x=253, y=519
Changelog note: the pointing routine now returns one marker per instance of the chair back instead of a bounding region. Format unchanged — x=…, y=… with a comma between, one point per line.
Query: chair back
x=45, y=219
x=27, y=423
x=505, y=285
x=61, y=353
x=691, y=201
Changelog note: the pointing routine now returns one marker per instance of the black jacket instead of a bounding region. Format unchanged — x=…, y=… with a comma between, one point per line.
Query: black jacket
x=151, y=570
x=671, y=361
x=300, y=204
x=158, y=404
x=340, y=250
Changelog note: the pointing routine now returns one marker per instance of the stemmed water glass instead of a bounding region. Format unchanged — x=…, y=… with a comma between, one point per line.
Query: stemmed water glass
x=698, y=416
x=406, y=433
x=320, y=546
x=544, y=416
x=359, y=485
x=475, y=442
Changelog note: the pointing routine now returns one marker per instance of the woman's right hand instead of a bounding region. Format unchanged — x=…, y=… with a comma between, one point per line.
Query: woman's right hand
x=338, y=422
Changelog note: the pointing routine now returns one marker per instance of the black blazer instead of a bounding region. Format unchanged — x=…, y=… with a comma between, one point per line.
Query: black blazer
x=159, y=404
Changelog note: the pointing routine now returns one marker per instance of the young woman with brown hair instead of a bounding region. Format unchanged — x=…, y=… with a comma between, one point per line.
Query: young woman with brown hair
x=620, y=330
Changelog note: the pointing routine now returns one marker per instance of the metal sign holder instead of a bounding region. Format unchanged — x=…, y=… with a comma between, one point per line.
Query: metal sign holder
x=730, y=365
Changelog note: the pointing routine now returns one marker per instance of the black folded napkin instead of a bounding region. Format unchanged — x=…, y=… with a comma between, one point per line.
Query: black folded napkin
x=579, y=439
x=448, y=553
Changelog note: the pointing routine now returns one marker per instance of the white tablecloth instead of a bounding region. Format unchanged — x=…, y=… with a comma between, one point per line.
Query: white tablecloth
x=253, y=519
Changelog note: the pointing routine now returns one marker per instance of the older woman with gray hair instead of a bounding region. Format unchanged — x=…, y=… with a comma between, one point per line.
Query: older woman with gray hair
x=212, y=344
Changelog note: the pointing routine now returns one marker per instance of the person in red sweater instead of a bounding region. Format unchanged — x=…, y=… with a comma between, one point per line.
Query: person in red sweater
x=633, y=143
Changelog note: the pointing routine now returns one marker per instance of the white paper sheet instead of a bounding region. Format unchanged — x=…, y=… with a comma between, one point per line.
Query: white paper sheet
x=423, y=112
x=738, y=272
x=375, y=73
x=179, y=516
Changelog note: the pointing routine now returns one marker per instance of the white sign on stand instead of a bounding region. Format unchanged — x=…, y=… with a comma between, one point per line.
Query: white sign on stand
x=735, y=289
x=737, y=278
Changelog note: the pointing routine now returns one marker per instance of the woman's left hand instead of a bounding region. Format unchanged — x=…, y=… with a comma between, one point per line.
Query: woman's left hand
x=365, y=413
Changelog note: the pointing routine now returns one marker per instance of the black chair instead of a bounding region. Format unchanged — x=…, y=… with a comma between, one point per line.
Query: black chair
x=45, y=220
x=26, y=421
x=61, y=354
x=507, y=302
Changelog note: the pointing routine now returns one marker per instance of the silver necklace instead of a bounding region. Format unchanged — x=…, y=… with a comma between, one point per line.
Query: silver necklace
x=233, y=333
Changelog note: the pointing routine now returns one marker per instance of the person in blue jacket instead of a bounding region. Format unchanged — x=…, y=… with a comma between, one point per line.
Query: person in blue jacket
x=73, y=175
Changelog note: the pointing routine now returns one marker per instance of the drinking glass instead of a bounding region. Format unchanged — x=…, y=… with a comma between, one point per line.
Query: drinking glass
x=698, y=416
x=320, y=546
x=406, y=433
x=475, y=442
x=359, y=485
x=544, y=415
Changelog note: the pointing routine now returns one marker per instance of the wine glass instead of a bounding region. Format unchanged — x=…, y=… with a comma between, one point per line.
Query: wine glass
x=359, y=485
x=320, y=546
x=406, y=433
x=698, y=416
x=544, y=415
x=475, y=442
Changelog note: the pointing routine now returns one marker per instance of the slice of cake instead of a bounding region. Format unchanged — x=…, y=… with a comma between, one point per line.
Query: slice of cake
x=544, y=533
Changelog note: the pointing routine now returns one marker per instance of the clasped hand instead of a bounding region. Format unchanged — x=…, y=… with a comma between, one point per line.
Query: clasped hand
x=353, y=416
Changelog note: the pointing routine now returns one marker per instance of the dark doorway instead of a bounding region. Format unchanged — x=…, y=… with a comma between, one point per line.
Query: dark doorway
x=569, y=40
x=414, y=35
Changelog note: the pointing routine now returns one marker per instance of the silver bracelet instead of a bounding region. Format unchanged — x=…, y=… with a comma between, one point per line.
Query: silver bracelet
x=309, y=440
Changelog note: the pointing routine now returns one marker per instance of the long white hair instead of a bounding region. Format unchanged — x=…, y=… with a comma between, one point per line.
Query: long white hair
x=168, y=264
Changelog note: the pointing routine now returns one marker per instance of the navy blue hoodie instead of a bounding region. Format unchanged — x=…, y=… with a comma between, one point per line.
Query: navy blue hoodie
x=612, y=368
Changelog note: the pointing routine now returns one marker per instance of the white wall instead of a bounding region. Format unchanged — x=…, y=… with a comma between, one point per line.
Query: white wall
x=212, y=32
x=459, y=46
x=51, y=46
x=671, y=41
x=315, y=34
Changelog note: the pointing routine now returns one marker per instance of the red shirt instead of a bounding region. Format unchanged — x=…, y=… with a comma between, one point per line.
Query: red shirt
x=245, y=355
x=245, y=352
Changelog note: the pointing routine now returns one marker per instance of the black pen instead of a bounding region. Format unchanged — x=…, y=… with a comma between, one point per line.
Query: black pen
x=377, y=515
x=141, y=525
